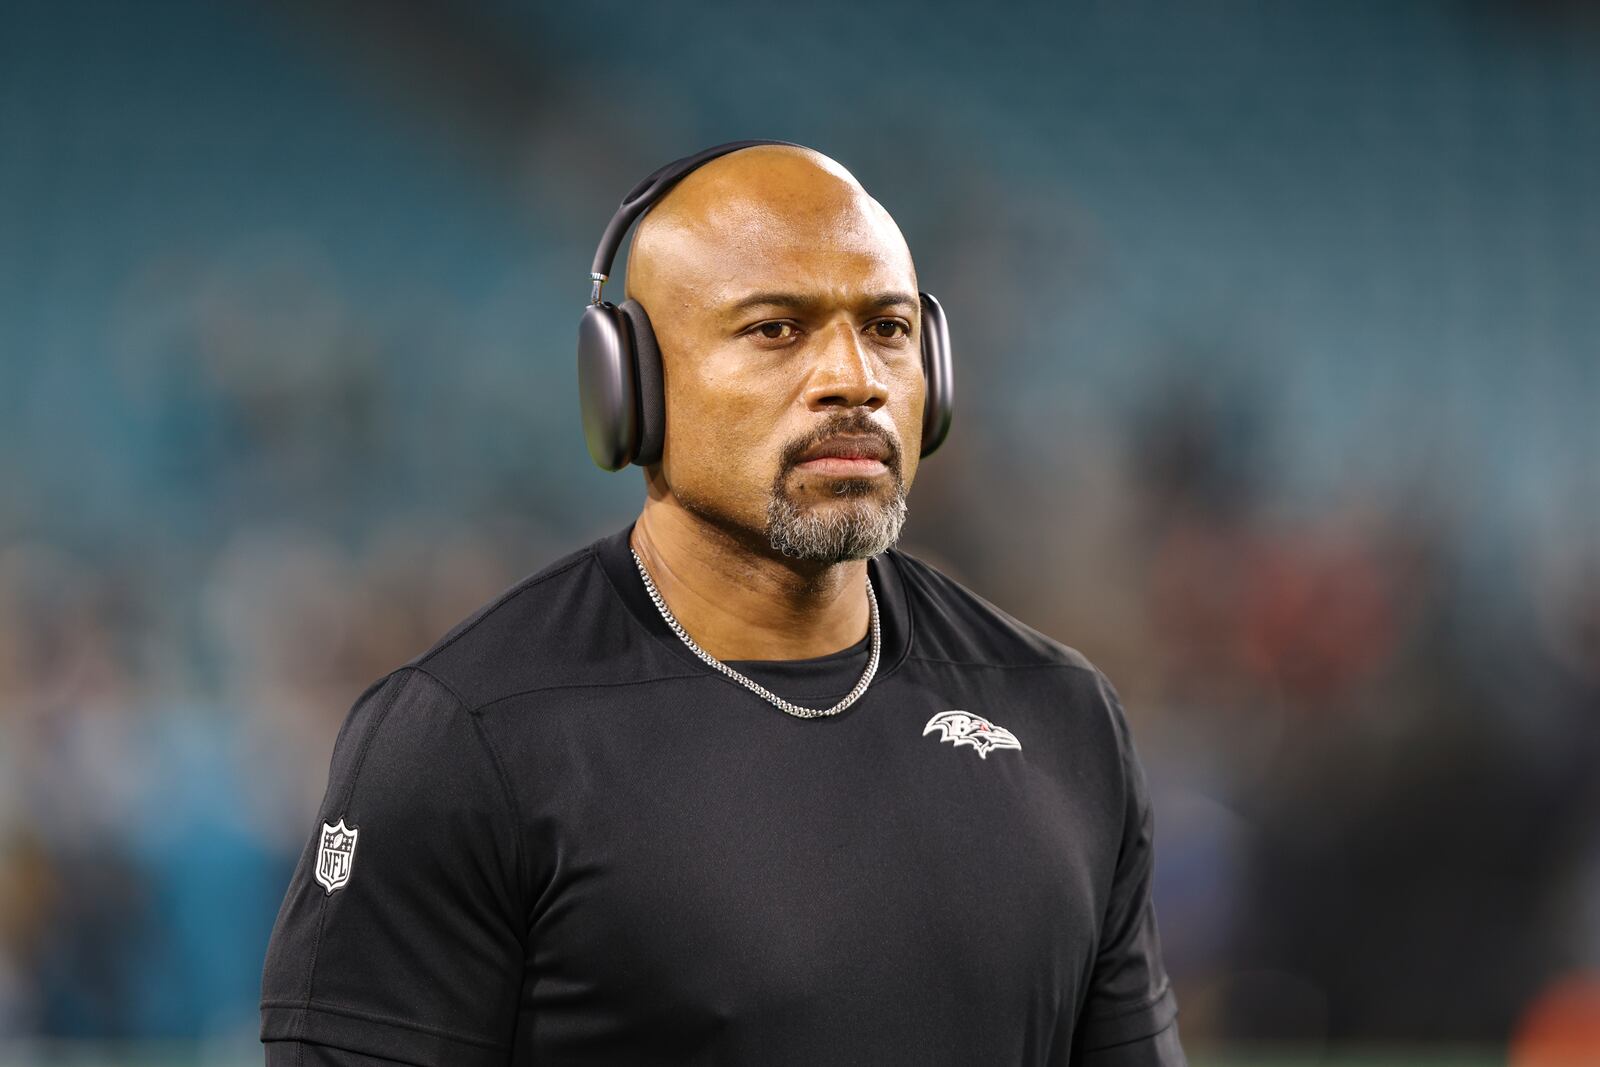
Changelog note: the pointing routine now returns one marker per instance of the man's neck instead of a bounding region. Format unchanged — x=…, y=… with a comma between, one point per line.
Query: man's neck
x=738, y=602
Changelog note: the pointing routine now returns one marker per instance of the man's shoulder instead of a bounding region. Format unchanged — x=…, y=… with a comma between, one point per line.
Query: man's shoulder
x=958, y=629
x=956, y=625
x=560, y=625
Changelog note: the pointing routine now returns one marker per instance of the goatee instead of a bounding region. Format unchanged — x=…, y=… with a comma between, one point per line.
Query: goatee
x=857, y=525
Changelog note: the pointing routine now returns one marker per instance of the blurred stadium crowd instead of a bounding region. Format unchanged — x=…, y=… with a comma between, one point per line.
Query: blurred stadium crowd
x=1277, y=372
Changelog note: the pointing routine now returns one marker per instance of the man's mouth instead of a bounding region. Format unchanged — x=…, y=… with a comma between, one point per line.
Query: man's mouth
x=859, y=456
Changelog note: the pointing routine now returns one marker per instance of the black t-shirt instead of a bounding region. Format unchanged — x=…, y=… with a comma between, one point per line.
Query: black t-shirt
x=558, y=837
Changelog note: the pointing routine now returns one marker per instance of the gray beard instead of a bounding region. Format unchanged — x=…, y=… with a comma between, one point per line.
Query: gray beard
x=854, y=527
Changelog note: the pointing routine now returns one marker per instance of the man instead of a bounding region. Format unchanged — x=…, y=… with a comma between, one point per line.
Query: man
x=740, y=783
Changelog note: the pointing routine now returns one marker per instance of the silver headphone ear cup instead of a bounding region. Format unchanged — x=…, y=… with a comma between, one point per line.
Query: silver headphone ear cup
x=607, y=391
x=939, y=403
x=647, y=369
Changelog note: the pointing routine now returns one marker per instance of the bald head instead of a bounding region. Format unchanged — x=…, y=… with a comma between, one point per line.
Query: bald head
x=784, y=304
x=748, y=209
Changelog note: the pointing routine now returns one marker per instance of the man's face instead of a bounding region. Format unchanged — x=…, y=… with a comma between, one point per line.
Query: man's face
x=790, y=334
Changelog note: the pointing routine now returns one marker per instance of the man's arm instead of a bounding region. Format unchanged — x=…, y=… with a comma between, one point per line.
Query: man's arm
x=300, y=1054
x=401, y=936
x=1130, y=1016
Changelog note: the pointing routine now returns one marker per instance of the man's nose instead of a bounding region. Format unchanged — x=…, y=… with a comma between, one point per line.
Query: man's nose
x=845, y=374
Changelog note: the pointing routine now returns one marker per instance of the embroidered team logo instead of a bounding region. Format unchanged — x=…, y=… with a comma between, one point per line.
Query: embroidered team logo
x=336, y=853
x=965, y=728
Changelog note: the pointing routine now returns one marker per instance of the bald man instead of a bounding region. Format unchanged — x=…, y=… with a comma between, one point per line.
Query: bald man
x=741, y=782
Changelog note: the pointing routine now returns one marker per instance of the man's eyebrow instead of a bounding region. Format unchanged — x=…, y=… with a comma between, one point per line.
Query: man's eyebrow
x=810, y=301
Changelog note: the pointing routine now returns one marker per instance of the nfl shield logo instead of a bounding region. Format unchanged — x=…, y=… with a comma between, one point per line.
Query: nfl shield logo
x=335, y=853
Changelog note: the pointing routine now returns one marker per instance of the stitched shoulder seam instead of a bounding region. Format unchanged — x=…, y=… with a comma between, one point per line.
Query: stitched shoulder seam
x=523, y=862
x=589, y=685
x=1003, y=666
x=514, y=591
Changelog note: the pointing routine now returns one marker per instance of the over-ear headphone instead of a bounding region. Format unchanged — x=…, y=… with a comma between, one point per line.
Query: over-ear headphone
x=619, y=365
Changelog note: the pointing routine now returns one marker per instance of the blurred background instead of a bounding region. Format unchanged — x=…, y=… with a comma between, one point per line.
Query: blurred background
x=1278, y=382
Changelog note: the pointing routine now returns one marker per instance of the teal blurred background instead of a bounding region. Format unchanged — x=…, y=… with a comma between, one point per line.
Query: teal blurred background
x=1277, y=350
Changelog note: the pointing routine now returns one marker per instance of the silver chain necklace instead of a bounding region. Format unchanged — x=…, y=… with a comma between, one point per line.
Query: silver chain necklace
x=754, y=686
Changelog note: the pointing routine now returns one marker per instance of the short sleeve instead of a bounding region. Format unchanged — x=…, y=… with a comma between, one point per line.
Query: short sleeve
x=401, y=934
x=1129, y=1018
x=303, y=1054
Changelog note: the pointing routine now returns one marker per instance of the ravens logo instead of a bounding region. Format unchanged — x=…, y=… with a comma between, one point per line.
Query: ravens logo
x=965, y=728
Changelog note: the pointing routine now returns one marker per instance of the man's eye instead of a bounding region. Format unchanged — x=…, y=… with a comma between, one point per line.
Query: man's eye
x=893, y=325
x=773, y=331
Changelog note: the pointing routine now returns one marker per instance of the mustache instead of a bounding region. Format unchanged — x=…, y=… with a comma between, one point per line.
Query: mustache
x=856, y=424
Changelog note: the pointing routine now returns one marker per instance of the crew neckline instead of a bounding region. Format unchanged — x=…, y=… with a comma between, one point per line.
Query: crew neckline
x=817, y=680
x=823, y=678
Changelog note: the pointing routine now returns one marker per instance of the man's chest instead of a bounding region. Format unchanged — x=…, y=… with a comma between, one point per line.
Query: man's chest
x=705, y=872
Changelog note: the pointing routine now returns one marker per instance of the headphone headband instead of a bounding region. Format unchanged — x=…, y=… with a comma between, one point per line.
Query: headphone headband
x=647, y=192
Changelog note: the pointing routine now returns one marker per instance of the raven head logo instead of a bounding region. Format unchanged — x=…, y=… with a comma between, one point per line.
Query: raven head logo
x=965, y=728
